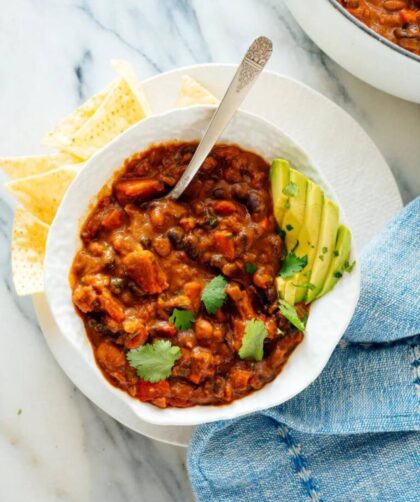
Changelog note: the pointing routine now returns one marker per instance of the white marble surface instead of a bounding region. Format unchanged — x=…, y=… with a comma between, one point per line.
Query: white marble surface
x=53, y=54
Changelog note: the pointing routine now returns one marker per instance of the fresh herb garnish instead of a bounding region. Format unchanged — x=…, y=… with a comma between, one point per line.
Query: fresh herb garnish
x=336, y=253
x=290, y=314
x=250, y=268
x=324, y=250
x=281, y=233
x=308, y=285
x=321, y=257
x=292, y=265
x=291, y=189
x=253, y=340
x=182, y=319
x=338, y=275
x=154, y=362
x=214, y=294
x=211, y=218
x=20, y=411
x=289, y=227
x=287, y=204
x=348, y=267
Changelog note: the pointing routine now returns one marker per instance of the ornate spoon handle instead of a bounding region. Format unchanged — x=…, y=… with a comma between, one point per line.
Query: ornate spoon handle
x=250, y=68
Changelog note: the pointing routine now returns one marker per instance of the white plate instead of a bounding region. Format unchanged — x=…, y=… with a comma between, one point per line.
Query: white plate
x=313, y=121
x=328, y=318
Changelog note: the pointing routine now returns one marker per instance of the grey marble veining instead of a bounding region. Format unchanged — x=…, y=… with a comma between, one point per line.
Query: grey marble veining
x=54, y=54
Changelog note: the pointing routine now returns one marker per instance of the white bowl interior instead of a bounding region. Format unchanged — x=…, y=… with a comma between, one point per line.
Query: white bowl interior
x=328, y=317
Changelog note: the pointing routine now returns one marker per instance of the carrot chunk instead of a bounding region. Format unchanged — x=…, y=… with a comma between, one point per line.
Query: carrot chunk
x=408, y=16
x=113, y=219
x=224, y=208
x=139, y=189
x=224, y=243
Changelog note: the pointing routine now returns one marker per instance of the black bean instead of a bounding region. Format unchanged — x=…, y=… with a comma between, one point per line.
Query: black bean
x=145, y=241
x=190, y=246
x=254, y=202
x=219, y=193
x=175, y=235
x=240, y=191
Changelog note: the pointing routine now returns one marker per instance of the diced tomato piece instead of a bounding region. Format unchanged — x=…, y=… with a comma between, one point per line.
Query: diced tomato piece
x=147, y=391
x=240, y=379
x=139, y=189
x=408, y=16
x=143, y=267
x=113, y=219
x=225, y=208
x=224, y=243
x=111, y=306
x=136, y=341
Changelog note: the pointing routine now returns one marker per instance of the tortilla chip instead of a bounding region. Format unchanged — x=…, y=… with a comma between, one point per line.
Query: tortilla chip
x=20, y=167
x=65, y=129
x=41, y=194
x=193, y=93
x=126, y=71
x=119, y=110
x=28, y=248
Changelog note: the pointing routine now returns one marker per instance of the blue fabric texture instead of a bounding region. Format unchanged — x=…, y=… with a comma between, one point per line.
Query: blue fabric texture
x=353, y=434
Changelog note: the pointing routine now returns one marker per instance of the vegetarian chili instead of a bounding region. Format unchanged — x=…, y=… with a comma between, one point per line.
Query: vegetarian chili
x=178, y=297
x=396, y=20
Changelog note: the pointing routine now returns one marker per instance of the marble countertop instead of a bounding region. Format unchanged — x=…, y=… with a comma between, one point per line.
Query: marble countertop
x=54, y=444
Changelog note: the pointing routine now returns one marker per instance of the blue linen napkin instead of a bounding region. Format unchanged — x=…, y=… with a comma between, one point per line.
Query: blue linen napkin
x=351, y=435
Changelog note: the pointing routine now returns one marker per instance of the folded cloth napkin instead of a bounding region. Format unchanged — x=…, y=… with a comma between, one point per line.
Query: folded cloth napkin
x=351, y=435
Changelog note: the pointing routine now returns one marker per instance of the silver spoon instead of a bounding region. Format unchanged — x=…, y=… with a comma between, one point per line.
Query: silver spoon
x=251, y=66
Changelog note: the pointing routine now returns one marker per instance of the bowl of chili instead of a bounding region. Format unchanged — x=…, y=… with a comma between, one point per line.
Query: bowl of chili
x=376, y=40
x=125, y=266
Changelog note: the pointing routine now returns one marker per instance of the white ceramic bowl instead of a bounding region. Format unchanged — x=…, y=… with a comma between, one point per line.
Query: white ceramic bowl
x=359, y=49
x=328, y=318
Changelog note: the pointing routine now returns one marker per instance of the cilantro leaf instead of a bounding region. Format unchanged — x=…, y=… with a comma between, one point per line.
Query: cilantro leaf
x=253, y=340
x=289, y=227
x=154, y=362
x=250, y=268
x=182, y=319
x=290, y=314
x=348, y=267
x=281, y=233
x=213, y=294
x=292, y=265
x=291, y=189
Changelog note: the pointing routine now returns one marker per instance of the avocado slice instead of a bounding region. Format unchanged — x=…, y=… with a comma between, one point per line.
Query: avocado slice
x=297, y=287
x=341, y=255
x=324, y=252
x=279, y=177
x=295, y=208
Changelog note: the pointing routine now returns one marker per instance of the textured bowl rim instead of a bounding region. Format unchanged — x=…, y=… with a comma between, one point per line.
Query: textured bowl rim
x=182, y=417
x=373, y=33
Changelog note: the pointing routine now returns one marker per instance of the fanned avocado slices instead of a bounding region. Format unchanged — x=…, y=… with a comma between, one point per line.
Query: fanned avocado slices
x=279, y=177
x=324, y=252
x=317, y=248
x=300, y=284
x=295, y=207
x=341, y=255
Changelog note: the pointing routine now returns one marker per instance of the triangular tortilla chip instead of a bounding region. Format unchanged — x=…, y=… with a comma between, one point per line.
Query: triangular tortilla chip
x=41, y=194
x=193, y=93
x=20, y=167
x=119, y=110
x=28, y=248
x=72, y=123
x=126, y=71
